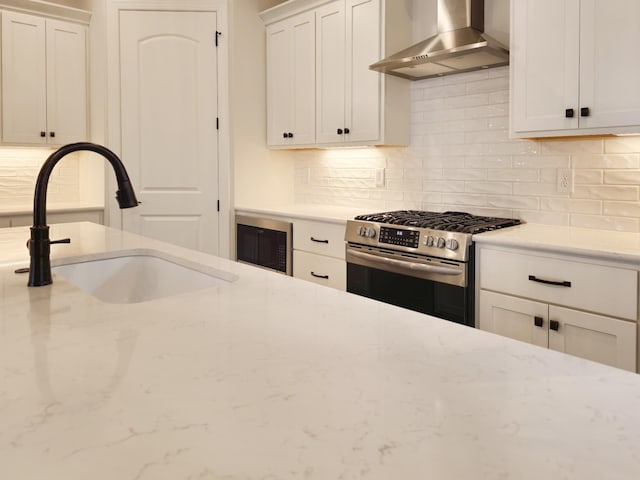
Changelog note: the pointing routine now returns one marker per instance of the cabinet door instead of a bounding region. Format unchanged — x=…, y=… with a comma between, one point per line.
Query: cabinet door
x=24, y=102
x=362, y=101
x=291, y=81
x=544, y=64
x=330, y=72
x=513, y=317
x=66, y=82
x=609, y=72
x=594, y=337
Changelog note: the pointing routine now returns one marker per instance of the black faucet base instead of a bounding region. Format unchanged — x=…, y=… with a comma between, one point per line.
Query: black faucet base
x=39, y=249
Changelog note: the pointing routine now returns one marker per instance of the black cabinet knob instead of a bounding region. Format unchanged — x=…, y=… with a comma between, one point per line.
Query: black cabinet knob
x=339, y=131
x=284, y=135
x=568, y=113
x=346, y=131
x=538, y=321
x=554, y=325
x=290, y=135
x=584, y=112
x=52, y=134
x=43, y=134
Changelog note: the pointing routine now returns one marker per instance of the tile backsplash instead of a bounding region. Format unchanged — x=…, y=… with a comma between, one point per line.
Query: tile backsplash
x=19, y=169
x=461, y=158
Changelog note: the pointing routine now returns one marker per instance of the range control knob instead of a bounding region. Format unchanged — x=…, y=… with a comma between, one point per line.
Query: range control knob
x=452, y=244
x=440, y=242
x=370, y=232
x=362, y=231
x=428, y=241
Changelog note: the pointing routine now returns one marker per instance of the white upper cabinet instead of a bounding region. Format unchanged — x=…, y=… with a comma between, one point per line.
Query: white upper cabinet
x=352, y=105
x=44, y=80
x=572, y=68
x=291, y=81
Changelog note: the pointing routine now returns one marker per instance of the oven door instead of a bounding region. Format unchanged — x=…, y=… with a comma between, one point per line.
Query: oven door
x=425, y=284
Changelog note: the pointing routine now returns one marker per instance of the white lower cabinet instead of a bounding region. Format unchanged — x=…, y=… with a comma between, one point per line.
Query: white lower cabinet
x=318, y=253
x=570, y=304
x=594, y=337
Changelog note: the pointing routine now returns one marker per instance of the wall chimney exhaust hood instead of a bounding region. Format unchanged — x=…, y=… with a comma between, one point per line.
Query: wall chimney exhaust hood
x=460, y=46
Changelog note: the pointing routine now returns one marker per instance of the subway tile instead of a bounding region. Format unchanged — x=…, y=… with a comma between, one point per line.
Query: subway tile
x=569, y=205
x=512, y=201
x=443, y=186
x=606, y=192
x=489, y=187
x=495, y=136
x=622, y=177
x=488, y=85
x=464, y=199
x=514, y=147
x=464, y=174
x=543, y=189
x=548, y=218
x=622, y=209
x=620, y=224
x=606, y=161
x=589, y=177
x=492, y=161
x=572, y=146
x=431, y=198
x=514, y=175
x=625, y=144
x=542, y=161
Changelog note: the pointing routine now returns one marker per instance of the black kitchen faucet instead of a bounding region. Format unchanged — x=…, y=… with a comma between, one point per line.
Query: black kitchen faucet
x=40, y=266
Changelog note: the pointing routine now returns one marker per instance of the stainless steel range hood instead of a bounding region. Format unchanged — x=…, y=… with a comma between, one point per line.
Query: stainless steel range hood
x=460, y=46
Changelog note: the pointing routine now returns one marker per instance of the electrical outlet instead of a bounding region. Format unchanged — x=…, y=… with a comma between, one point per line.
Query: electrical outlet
x=379, y=177
x=565, y=180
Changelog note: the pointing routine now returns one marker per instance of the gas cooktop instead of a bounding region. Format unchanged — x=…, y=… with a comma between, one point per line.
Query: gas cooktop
x=444, y=221
x=439, y=234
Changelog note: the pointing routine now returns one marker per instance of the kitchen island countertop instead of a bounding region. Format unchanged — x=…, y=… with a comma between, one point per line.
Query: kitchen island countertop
x=271, y=377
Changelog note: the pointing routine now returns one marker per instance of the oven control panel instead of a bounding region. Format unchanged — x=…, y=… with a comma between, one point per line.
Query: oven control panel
x=424, y=241
x=399, y=236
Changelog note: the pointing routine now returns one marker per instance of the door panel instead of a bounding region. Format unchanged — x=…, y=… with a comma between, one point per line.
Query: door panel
x=24, y=80
x=544, y=64
x=594, y=337
x=514, y=318
x=608, y=77
x=169, y=137
x=330, y=72
x=363, y=85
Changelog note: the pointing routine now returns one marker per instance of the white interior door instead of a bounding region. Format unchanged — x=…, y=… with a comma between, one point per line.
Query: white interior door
x=169, y=139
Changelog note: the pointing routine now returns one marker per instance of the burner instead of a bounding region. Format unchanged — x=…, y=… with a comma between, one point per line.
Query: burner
x=445, y=221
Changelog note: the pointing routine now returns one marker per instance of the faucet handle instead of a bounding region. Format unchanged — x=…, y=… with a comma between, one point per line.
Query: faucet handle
x=63, y=240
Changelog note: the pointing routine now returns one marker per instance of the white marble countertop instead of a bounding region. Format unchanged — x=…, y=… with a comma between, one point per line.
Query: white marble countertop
x=272, y=377
x=596, y=244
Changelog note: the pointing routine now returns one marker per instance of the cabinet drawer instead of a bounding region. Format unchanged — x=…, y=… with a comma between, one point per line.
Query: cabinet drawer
x=595, y=288
x=319, y=269
x=317, y=237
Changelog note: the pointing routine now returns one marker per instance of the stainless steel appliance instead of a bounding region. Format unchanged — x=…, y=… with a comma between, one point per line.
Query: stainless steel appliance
x=264, y=242
x=419, y=260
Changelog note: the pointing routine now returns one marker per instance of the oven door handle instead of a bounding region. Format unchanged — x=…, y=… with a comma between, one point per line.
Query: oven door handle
x=409, y=265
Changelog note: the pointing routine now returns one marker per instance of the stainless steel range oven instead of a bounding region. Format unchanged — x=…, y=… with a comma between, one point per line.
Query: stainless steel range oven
x=419, y=260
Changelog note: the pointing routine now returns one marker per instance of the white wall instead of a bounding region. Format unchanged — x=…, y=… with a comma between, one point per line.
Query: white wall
x=261, y=176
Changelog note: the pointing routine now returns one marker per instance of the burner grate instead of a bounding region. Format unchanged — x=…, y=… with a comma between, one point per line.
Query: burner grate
x=445, y=221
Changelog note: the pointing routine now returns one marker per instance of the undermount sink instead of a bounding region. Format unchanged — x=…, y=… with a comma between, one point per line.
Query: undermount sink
x=135, y=278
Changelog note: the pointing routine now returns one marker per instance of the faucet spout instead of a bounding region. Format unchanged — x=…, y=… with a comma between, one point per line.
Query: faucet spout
x=39, y=244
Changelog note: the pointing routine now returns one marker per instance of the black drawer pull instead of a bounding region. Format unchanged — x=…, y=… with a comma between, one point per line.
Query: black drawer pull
x=319, y=241
x=585, y=112
x=554, y=325
x=325, y=277
x=538, y=321
x=568, y=113
x=549, y=282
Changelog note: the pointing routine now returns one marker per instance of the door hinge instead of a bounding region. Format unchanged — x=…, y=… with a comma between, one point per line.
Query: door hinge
x=217, y=123
x=217, y=35
x=218, y=205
